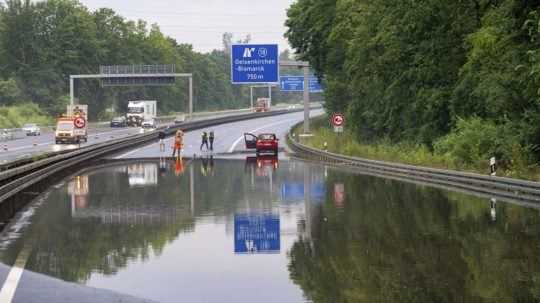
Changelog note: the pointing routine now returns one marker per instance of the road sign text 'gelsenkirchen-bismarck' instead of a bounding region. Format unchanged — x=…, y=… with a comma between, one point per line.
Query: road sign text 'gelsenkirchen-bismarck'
x=254, y=63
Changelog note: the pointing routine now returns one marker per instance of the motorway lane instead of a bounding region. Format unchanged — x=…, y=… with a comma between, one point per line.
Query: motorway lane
x=229, y=137
x=35, y=145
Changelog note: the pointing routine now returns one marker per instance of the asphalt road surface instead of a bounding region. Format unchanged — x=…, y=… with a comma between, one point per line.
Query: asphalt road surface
x=34, y=145
x=229, y=138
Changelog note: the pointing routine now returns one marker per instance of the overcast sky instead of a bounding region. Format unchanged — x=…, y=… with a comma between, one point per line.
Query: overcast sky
x=202, y=22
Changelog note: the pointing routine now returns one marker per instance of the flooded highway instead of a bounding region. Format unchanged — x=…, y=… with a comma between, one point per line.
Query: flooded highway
x=266, y=230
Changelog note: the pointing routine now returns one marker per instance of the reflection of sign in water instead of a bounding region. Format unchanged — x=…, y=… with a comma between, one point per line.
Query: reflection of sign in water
x=292, y=191
x=339, y=194
x=255, y=234
x=142, y=174
x=78, y=186
x=295, y=191
x=78, y=190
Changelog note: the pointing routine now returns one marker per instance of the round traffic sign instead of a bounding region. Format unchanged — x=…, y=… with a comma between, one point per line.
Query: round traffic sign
x=338, y=119
x=79, y=122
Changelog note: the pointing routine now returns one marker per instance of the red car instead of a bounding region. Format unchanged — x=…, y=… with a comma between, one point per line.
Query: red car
x=262, y=143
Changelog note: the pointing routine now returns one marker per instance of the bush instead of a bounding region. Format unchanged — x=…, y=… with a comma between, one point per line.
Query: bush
x=16, y=116
x=475, y=140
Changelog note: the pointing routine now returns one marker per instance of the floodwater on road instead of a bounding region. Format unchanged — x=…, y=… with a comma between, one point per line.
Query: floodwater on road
x=263, y=230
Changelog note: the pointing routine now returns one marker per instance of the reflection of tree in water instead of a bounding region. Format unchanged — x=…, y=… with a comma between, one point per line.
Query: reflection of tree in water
x=71, y=248
x=395, y=242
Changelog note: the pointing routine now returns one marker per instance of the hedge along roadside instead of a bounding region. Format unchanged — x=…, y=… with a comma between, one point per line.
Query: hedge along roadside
x=514, y=189
x=14, y=180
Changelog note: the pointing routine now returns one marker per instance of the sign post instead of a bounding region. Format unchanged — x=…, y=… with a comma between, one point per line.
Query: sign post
x=254, y=63
x=306, y=99
x=493, y=166
x=338, y=120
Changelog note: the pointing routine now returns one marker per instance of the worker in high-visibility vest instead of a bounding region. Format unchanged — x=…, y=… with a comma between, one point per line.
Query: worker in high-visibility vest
x=178, y=142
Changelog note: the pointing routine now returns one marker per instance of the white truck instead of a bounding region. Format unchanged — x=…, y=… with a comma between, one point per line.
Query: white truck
x=262, y=105
x=140, y=111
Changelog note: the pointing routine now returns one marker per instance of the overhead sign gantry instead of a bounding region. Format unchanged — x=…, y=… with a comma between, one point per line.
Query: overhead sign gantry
x=135, y=75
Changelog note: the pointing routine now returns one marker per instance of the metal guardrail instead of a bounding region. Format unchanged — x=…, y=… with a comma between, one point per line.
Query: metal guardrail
x=15, y=179
x=501, y=186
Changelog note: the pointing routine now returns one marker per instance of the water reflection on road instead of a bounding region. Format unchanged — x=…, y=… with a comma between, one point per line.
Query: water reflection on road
x=264, y=230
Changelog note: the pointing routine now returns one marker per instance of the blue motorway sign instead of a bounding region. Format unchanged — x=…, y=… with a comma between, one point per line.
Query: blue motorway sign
x=255, y=234
x=254, y=63
x=295, y=191
x=291, y=83
x=296, y=84
x=315, y=85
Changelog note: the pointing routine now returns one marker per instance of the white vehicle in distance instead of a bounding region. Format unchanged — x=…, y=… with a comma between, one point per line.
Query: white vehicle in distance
x=291, y=107
x=6, y=134
x=31, y=129
x=180, y=118
x=139, y=111
x=149, y=124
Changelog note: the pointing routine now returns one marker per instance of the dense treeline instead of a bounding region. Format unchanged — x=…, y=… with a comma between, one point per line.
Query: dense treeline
x=459, y=76
x=42, y=43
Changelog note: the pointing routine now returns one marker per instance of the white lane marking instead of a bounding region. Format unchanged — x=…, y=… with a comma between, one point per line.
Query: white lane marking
x=12, y=281
x=138, y=150
x=128, y=132
x=129, y=153
x=29, y=146
x=233, y=146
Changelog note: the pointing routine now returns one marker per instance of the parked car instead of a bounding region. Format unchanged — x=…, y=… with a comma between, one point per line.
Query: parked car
x=119, y=122
x=149, y=124
x=31, y=129
x=262, y=143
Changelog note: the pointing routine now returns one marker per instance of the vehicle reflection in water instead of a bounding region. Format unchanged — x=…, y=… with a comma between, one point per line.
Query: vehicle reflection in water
x=299, y=233
x=142, y=174
x=264, y=164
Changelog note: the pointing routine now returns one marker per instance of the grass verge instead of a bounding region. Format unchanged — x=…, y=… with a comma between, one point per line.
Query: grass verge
x=404, y=152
